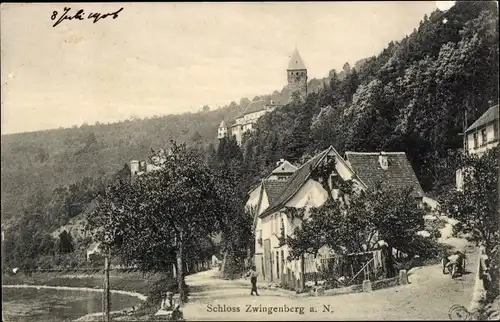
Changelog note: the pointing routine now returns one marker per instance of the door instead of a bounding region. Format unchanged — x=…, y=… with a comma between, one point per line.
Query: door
x=267, y=261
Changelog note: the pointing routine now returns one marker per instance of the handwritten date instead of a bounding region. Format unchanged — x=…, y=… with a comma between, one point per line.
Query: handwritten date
x=80, y=15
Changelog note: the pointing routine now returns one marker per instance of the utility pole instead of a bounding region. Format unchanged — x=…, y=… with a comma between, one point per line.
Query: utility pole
x=106, y=298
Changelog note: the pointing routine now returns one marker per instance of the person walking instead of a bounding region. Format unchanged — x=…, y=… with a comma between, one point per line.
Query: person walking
x=253, y=279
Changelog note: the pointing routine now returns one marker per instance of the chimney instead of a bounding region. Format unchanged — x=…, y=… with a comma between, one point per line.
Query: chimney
x=280, y=162
x=382, y=160
x=134, y=167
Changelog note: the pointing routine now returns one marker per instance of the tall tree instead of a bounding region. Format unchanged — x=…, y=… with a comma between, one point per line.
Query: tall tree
x=162, y=213
x=476, y=207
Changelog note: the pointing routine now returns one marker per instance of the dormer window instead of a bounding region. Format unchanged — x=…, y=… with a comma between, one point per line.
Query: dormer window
x=382, y=160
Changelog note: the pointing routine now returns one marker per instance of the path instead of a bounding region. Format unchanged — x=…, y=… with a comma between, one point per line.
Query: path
x=429, y=296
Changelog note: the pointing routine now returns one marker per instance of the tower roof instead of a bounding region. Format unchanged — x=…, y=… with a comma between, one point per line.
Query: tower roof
x=296, y=61
x=222, y=124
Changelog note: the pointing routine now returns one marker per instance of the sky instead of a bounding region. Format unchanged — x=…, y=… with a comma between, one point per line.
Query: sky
x=170, y=58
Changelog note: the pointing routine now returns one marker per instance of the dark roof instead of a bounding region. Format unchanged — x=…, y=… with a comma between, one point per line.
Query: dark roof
x=398, y=175
x=489, y=116
x=285, y=167
x=273, y=189
x=295, y=182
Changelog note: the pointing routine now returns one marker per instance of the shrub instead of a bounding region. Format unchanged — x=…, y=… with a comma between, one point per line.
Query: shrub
x=159, y=289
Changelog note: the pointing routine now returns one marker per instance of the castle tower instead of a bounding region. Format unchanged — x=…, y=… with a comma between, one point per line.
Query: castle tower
x=222, y=131
x=297, y=76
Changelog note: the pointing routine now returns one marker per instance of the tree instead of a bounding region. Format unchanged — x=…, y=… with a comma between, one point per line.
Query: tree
x=356, y=222
x=161, y=214
x=65, y=242
x=206, y=108
x=476, y=206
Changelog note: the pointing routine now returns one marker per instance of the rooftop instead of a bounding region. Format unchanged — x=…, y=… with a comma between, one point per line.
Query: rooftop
x=284, y=167
x=489, y=116
x=295, y=182
x=253, y=107
x=296, y=62
x=399, y=173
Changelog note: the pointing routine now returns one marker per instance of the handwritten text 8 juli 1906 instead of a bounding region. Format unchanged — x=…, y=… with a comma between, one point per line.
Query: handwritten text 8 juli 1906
x=80, y=15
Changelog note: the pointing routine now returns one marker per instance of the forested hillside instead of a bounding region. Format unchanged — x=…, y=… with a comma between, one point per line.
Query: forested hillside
x=412, y=97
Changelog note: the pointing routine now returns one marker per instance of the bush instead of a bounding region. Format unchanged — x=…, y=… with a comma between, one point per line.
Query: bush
x=159, y=289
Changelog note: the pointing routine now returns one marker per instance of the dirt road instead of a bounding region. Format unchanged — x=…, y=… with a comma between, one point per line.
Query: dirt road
x=429, y=295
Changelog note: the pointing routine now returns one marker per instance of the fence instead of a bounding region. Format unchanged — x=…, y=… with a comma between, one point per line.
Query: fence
x=340, y=270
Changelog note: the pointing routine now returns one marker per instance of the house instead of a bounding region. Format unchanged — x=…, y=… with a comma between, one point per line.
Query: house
x=310, y=186
x=481, y=136
x=303, y=189
x=296, y=86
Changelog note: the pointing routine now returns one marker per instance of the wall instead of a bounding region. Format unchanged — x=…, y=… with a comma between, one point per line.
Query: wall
x=297, y=81
x=491, y=142
x=262, y=227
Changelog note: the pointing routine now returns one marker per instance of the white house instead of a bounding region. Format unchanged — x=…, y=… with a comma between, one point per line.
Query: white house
x=305, y=188
x=299, y=191
x=481, y=136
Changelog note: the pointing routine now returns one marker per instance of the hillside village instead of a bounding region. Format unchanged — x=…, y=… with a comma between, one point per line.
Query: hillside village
x=345, y=185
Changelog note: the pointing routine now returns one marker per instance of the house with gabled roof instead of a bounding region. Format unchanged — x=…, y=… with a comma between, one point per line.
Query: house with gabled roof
x=310, y=186
x=303, y=189
x=483, y=134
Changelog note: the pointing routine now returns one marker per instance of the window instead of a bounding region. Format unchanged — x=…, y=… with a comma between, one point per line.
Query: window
x=476, y=143
x=484, y=138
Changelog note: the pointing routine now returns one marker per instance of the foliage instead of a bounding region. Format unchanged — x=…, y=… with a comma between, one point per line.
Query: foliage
x=476, y=206
x=157, y=218
x=65, y=242
x=357, y=225
x=236, y=221
x=159, y=288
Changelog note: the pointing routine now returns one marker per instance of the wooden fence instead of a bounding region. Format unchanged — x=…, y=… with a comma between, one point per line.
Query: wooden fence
x=339, y=270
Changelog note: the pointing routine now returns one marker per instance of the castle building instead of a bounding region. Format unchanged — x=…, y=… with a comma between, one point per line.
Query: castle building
x=245, y=121
x=296, y=87
x=297, y=76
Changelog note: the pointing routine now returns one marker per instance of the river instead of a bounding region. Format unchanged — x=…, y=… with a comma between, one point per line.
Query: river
x=32, y=304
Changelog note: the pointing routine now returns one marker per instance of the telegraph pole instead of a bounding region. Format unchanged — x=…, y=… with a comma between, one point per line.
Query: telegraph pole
x=106, y=298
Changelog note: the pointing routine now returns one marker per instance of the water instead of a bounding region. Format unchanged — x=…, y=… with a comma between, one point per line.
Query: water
x=30, y=304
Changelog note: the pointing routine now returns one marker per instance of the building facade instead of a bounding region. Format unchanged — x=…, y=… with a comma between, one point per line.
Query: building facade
x=483, y=135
